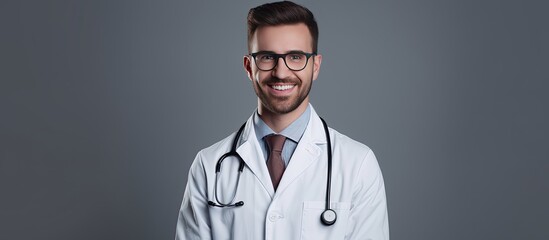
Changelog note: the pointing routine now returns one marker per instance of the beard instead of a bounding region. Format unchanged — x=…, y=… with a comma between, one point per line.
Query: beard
x=285, y=104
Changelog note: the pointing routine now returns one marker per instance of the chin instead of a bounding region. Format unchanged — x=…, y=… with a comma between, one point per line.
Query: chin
x=283, y=108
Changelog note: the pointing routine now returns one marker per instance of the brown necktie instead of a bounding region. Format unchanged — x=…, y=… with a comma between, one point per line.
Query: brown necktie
x=275, y=164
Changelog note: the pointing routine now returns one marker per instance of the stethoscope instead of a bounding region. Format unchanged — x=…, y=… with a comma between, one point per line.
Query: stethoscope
x=328, y=216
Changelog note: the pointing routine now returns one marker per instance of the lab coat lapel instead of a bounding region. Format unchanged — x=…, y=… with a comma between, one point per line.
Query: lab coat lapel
x=253, y=157
x=306, y=152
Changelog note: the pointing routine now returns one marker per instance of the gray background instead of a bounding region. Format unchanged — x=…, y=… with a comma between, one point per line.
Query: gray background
x=104, y=105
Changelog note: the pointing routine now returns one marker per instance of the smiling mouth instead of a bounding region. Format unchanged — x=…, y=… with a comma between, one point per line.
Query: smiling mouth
x=282, y=87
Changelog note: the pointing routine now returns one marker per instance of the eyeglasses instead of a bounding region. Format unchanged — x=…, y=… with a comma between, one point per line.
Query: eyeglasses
x=295, y=61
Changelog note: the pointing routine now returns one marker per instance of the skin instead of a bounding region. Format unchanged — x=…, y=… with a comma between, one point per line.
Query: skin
x=280, y=108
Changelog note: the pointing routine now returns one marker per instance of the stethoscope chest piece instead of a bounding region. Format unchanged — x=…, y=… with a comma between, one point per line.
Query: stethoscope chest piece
x=328, y=217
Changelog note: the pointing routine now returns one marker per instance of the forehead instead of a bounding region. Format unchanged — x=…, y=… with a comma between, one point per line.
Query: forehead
x=282, y=38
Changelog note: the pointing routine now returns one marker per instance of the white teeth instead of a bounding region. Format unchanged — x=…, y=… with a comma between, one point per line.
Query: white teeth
x=282, y=87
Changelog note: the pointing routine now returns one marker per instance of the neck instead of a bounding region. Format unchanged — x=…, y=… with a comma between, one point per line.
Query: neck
x=279, y=121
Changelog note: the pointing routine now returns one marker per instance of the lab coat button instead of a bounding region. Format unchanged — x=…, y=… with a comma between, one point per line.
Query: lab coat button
x=273, y=217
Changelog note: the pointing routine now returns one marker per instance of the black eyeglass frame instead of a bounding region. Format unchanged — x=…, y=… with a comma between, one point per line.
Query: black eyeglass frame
x=283, y=56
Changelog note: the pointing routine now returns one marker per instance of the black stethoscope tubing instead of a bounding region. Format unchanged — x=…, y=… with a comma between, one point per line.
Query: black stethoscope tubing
x=328, y=216
x=231, y=153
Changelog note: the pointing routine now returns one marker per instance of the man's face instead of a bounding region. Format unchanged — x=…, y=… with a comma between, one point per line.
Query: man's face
x=282, y=90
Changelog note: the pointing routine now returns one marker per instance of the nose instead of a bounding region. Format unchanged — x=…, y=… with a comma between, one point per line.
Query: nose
x=281, y=71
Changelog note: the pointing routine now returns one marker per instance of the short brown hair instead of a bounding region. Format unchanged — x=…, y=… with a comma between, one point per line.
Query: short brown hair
x=280, y=13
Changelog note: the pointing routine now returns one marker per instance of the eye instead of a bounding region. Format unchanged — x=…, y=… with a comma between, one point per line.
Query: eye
x=265, y=57
x=296, y=57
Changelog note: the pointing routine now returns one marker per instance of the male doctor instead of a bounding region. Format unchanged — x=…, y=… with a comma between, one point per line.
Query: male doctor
x=281, y=192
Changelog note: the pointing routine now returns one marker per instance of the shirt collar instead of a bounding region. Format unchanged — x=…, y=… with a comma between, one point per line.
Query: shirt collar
x=293, y=132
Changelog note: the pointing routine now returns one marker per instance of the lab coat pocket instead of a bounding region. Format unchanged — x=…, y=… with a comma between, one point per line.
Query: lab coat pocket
x=313, y=228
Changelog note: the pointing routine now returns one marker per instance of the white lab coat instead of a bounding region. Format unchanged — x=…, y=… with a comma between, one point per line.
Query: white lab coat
x=293, y=211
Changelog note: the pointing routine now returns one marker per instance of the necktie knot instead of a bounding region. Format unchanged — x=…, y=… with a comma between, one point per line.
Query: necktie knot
x=275, y=142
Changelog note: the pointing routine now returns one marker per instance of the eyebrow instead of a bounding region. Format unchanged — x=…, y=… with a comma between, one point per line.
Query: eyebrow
x=288, y=52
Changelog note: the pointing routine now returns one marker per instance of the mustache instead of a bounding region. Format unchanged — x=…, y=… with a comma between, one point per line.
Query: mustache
x=274, y=80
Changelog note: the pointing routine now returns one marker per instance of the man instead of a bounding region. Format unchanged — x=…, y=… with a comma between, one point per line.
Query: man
x=282, y=190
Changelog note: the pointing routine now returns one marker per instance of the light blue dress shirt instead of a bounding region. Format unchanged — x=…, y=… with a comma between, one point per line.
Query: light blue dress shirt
x=292, y=133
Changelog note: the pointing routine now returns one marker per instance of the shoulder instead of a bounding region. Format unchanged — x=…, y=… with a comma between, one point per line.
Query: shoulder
x=218, y=148
x=355, y=154
x=207, y=157
x=346, y=143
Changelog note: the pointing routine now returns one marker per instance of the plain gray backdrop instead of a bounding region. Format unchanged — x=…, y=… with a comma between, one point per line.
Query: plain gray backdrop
x=104, y=105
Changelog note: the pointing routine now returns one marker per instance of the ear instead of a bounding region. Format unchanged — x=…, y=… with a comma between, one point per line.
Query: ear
x=317, y=61
x=248, y=66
